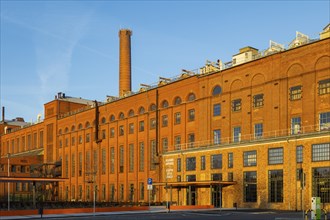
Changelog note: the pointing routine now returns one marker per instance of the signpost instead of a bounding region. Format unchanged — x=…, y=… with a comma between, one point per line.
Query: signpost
x=149, y=187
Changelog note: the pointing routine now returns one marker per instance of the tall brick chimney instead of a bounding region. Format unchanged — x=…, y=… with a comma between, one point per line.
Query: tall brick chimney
x=124, y=61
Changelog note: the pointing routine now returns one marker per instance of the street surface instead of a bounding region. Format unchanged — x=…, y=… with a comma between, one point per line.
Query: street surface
x=194, y=215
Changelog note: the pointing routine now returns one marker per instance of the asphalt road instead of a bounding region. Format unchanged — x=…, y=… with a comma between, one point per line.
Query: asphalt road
x=194, y=215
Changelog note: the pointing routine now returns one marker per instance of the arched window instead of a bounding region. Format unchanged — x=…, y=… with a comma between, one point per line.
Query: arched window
x=112, y=118
x=87, y=125
x=103, y=120
x=152, y=107
x=66, y=130
x=80, y=126
x=73, y=128
x=141, y=110
x=177, y=101
x=121, y=115
x=216, y=90
x=60, y=131
x=165, y=104
x=131, y=113
x=191, y=97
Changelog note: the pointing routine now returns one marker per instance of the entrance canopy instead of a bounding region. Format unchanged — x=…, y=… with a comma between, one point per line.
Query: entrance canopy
x=195, y=183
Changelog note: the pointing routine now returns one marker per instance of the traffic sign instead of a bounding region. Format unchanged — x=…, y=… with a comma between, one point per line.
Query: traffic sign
x=149, y=181
x=149, y=187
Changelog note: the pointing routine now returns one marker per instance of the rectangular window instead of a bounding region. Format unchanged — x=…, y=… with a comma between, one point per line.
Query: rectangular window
x=178, y=164
x=87, y=193
x=216, y=176
x=230, y=160
x=236, y=105
x=66, y=166
x=299, y=153
x=112, y=192
x=190, y=163
x=230, y=176
x=164, y=121
x=131, y=128
x=121, y=130
x=324, y=86
x=177, y=140
x=321, y=152
x=275, y=185
x=73, y=165
x=177, y=118
x=191, y=140
x=152, y=123
x=165, y=144
x=258, y=100
x=203, y=162
x=34, y=140
x=103, y=192
x=216, y=161
x=80, y=139
x=300, y=173
x=250, y=186
x=217, y=136
x=88, y=138
x=325, y=121
x=112, y=132
x=96, y=159
x=103, y=134
x=73, y=141
x=121, y=159
x=131, y=158
x=66, y=142
x=275, y=156
x=141, y=126
x=258, y=130
x=121, y=192
x=295, y=93
x=141, y=157
x=295, y=125
x=112, y=160
x=153, y=155
x=141, y=190
x=250, y=158
x=131, y=192
x=321, y=183
x=88, y=161
x=191, y=178
x=80, y=164
x=41, y=139
x=191, y=115
x=216, y=109
x=237, y=134
x=104, y=160
x=73, y=193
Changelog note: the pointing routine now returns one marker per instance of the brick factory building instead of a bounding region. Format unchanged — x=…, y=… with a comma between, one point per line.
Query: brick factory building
x=253, y=132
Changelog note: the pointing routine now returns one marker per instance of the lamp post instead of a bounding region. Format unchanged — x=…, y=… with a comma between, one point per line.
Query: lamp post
x=8, y=157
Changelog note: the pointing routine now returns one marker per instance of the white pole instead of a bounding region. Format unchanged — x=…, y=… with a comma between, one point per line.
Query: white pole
x=8, y=183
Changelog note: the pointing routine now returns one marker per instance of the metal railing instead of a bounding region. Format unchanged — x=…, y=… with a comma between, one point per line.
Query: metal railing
x=250, y=138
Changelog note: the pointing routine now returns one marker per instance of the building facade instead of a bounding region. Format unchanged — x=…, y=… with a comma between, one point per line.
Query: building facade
x=254, y=132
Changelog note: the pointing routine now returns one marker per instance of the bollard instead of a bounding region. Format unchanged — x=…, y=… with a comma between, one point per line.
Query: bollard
x=325, y=214
x=306, y=213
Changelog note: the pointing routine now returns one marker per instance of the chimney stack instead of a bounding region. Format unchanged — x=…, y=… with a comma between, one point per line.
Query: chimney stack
x=124, y=61
x=3, y=114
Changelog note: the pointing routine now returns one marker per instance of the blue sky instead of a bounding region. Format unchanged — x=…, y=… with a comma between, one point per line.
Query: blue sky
x=73, y=46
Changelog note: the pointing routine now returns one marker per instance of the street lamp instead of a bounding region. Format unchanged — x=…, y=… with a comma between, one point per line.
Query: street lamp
x=8, y=156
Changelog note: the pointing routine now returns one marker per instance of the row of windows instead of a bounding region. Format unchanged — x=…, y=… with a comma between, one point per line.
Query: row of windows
x=258, y=101
x=28, y=142
x=320, y=152
x=320, y=179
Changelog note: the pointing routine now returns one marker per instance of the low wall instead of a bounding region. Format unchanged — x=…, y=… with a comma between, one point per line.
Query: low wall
x=72, y=210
